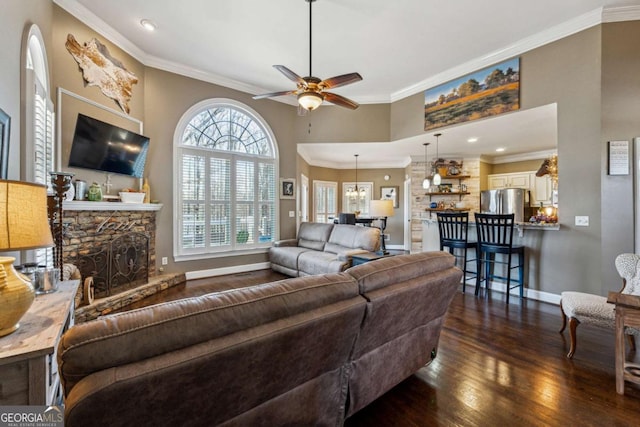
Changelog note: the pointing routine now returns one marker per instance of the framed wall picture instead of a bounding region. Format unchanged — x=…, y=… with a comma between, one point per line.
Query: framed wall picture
x=287, y=188
x=390, y=193
x=5, y=129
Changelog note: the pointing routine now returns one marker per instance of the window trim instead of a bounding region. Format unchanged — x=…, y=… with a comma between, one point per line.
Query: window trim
x=367, y=186
x=185, y=119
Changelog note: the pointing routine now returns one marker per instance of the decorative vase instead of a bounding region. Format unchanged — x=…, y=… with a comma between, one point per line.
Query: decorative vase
x=16, y=296
x=242, y=236
x=95, y=193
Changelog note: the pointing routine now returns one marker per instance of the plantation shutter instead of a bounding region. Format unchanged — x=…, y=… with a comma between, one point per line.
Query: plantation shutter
x=39, y=145
x=220, y=211
x=192, y=219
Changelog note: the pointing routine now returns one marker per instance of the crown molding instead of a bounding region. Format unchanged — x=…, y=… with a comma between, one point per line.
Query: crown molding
x=552, y=34
x=536, y=155
x=620, y=14
x=575, y=25
x=99, y=26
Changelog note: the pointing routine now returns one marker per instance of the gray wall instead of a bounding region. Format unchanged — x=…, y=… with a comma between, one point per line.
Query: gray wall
x=620, y=121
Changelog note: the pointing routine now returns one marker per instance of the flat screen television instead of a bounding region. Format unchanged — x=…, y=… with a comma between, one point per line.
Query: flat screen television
x=104, y=147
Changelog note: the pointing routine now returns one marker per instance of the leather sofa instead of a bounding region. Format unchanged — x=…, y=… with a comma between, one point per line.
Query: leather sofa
x=302, y=351
x=322, y=248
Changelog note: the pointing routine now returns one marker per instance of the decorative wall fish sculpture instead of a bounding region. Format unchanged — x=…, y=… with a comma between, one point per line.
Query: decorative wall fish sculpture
x=100, y=69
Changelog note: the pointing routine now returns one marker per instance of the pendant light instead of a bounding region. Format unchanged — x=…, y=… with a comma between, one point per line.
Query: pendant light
x=437, y=179
x=426, y=184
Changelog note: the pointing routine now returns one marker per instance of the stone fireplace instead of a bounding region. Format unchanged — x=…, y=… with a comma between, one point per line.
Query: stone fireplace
x=112, y=242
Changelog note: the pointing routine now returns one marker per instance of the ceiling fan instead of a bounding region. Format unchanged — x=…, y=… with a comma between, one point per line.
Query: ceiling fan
x=310, y=90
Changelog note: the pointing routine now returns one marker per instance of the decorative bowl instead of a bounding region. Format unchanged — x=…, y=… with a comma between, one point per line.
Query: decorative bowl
x=131, y=197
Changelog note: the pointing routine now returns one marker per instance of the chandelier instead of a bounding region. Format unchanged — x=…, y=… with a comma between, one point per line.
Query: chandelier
x=437, y=179
x=355, y=192
x=426, y=184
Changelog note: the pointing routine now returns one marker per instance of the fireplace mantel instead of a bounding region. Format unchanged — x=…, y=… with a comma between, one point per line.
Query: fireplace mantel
x=80, y=205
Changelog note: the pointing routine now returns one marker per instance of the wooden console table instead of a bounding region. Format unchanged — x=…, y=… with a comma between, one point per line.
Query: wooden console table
x=28, y=365
x=627, y=314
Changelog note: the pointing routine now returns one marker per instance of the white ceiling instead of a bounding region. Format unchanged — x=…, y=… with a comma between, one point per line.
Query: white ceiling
x=399, y=47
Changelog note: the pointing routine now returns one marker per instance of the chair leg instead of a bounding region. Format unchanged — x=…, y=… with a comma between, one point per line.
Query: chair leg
x=464, y=270
x=478, y=270
x=488, y=269
x=573, y=325
x=564, y=318
x=521, y=273
x=508, y=277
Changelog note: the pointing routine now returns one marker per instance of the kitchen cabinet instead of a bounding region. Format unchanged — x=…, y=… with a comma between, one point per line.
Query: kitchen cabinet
x=540, y=187
x=510, y=180
x=541, y=190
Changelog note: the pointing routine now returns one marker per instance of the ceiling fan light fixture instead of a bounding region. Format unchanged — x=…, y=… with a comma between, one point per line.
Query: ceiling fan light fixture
x=310, y=100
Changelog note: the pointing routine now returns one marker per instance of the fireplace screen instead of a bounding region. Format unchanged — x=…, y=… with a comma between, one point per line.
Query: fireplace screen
x=120, y=264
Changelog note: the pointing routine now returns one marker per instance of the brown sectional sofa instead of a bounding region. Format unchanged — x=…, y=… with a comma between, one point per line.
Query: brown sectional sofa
x=303, y=351
x=322, y=248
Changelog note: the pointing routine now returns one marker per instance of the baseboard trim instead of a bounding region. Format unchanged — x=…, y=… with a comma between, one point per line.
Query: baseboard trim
x=201, y=274
x=528, y=293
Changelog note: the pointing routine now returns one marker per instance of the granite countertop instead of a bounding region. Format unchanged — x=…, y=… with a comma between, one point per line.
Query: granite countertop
x=519, y=225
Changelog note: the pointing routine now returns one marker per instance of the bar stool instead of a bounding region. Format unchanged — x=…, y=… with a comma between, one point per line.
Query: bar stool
x=453, y=235
x=495, y=236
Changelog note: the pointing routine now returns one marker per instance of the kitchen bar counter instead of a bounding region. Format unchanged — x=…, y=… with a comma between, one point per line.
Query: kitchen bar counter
x=532, y=236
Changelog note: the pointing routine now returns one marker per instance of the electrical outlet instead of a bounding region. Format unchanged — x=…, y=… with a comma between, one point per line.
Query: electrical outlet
x=292, y=214
x=165, y=260
x=387, y=237
x=582, y=221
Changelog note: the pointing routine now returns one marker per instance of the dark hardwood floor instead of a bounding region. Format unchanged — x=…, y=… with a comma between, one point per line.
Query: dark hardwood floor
x=500, y=365
x=497, y=365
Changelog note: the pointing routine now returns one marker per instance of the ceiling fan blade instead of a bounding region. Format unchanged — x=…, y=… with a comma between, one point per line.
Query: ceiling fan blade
x=340, y=100
x=274, y=94
x=342, y=80
x=290, y=74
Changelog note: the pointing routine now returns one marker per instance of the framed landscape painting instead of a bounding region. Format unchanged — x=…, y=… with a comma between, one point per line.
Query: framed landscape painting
x=5, y=128
x=488, y=92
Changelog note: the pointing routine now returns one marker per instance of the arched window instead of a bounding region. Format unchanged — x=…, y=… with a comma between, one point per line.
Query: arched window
x=225, y=181
x=39, y=139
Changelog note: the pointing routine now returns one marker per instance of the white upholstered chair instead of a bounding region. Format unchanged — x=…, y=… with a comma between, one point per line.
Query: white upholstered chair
x=580, y=307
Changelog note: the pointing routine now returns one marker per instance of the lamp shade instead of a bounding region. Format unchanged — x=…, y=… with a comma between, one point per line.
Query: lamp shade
x=310, y=100
x=381, y=208
x=24, y=222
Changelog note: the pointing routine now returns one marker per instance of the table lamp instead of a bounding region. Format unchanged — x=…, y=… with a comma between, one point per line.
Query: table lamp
x=381, y=209
x=23, y=225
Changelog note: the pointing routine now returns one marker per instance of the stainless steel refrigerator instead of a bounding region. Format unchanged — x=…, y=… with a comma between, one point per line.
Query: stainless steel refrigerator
x=505, y=201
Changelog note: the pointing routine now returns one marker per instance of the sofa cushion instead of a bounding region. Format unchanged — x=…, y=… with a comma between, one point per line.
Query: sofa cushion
x=286, y=256
x=313, y=235
x=353, y=236
x=147, y=332
x=315, y=262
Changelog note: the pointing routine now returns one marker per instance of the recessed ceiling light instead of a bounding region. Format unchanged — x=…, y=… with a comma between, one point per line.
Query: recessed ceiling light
x=474, y=139
x=500, y=150
x=148, y=25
